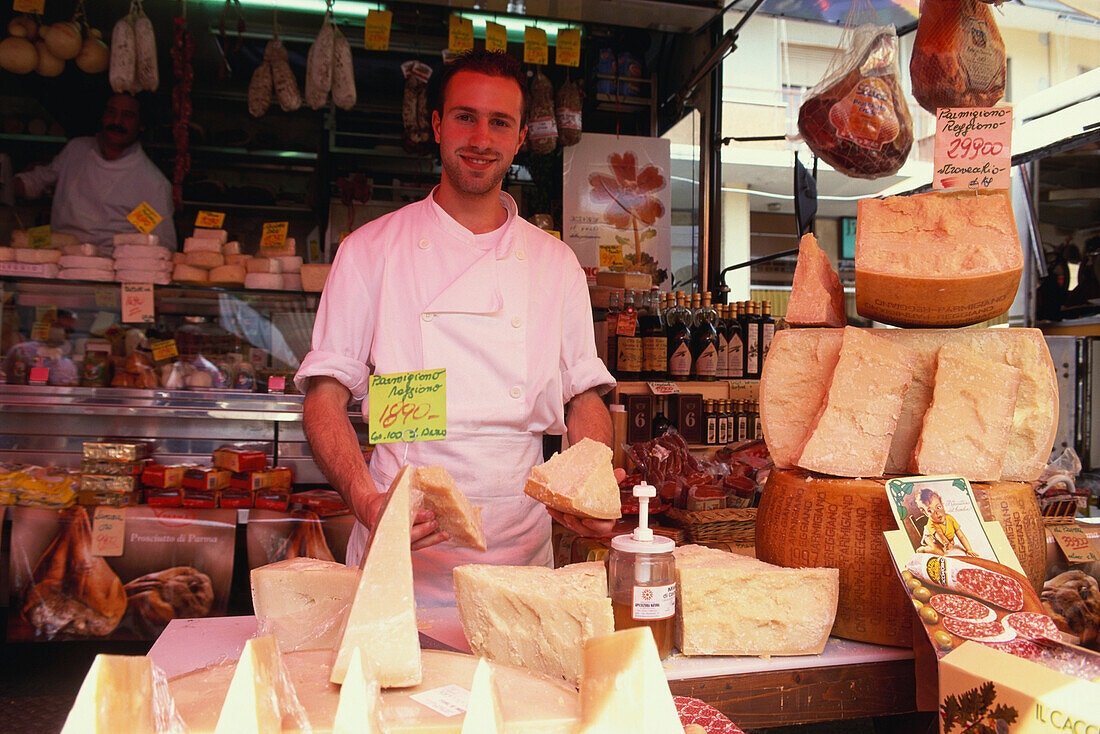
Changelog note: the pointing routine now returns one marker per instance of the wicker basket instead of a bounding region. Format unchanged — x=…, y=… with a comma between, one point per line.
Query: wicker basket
x=736, y=525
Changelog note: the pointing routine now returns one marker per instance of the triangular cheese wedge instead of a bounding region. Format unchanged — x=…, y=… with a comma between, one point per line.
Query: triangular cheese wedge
x=624, y=688
x=382, y=618
x=360, y=707
x=817, y=298
x=456, y=516
x=116, y=696
x=483, y=715
x=252, y=704
x=578, y=481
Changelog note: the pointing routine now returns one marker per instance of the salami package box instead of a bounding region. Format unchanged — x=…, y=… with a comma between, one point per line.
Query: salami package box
x=107, y=483
x=163, y=477
x=237, y=497
x=164, y=497
x=109, y=499
x=273, y=498
x=199, y=498
x=205, y=478
x=325, y=502
x=115, y=451
x=240, y=460
x=116, y=468
x=279, y=476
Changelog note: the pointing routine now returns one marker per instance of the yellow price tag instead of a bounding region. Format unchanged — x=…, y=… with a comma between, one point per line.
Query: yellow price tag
x=376, y=36
x=164, y=350
x=461, y=34
x=144, y=218
x=534, y=46
x=567, y=52
x=274, y=234
x=40, y=331
x=496, y=36
x=210, y=220
x=108, y=531
x=39, y=237
x=29, y=6
x=611, y=256
x=137, y=303
x=408, y=406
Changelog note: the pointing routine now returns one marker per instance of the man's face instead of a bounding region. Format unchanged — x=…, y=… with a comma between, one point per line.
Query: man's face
x=121, y=122
x=479, y=131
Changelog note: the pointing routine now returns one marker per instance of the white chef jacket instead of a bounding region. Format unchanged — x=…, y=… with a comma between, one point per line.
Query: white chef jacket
x=512, y=325
x=94, y=195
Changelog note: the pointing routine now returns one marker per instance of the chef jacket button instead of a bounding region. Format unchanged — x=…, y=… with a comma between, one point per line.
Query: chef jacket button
x=427, y=316
x=515, y=392
x=423, y=244
x=521, y=255
x=517, y=321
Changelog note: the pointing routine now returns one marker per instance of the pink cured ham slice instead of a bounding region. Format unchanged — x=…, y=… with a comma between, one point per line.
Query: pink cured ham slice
x=962, y=607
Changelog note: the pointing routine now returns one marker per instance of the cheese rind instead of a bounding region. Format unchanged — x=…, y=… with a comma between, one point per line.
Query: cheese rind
x=483, y=712
x=382, y=619
x=251, y=705
x=136, y=238
x=86, y=263
x=817, y=298
x=210, y=234
x=456, y=516
x=85, y=249
x=532, y=616
x=578, y=481
x=624, y=688
x=302, y=601
x=966, y=428
x=360, y=707
x=856, y=424
x=314, y=276
x=116, y=696
x=729, y=604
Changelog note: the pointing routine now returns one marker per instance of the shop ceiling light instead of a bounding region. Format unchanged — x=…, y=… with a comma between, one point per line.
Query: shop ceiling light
x=345, y=8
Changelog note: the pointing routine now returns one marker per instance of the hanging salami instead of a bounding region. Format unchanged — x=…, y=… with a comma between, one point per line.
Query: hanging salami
x=958, y=56
x=542, y=129
x=569, y=113
x=415, y=120
x=856, y=119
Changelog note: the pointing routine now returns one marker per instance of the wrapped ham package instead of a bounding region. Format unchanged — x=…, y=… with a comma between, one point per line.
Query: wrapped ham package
x=856, y=119
x=958, y=56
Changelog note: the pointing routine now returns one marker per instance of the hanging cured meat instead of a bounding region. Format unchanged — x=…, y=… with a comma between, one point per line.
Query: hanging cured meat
x=174, y=593
x=856, y=119
x=307, y=539
x=958, y=56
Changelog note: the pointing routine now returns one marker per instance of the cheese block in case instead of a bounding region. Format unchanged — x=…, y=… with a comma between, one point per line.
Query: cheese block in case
x=264, y=281
x=63, y=239
x=289, y=263
x=136, y=238
x=236, y=259
x=817, y=298
x=142, y=276
x=28, y=255
x=314, y=276
x=201, y=244
x=579, y=481
x=159, y=265
x=729, y=604
x=85, y=249
x=292, y=281
x=534, y=616
x=202, y=233
x=302, y=601
x=81, y=274
x=231, y=248
x=187, y=273
x=124, y=253
x=86, y=263
x=116, y=696
x=204, y=259
x=937, y=259
x=263, y=265
x=7, y=254
x=435, y=490
x=227, y=274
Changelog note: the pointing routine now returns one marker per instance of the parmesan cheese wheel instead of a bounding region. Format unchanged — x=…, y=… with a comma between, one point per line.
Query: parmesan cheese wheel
x=289, y=263
x=292, y=281
x=204, y=259
x=136, y=238
x=86, y=274
x=185, y=273
x=28, y=255
x=202, y=244
x=313, y=277
x=86, y=249
x=937, y=259
x=87, y=263
x=143, y=276
x=268, y=281
x=7, y=254
x=227, y=274
x=178, y=258
x=127, y=251
x=263, y=265
x=236, y=259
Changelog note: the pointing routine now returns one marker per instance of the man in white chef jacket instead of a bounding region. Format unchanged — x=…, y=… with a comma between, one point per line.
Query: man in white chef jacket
x=99, y=180
x=459, y=281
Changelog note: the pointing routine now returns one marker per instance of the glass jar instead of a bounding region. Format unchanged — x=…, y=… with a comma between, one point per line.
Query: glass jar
x=641, y=577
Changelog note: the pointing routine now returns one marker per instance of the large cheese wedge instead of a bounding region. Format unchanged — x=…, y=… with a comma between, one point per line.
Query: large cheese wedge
x=578, y=481
x=382, y=618
x=155, y=252
x=624, y=688
x=202, y=244
x=29, y=255
x=937, y=259
x=854, y=429
x=483, y=710
x=966, y=428
x=360, y=707
x=136, y=238
x=227, y=274
x=302, y=601
x=435, y=490
x=313, y=277
x=251, y=705
x=817, y=298
x=730, y=604
x=792, y=390
x=532, y=616
x=205, y=259
x=236, y=259
x=116, y=696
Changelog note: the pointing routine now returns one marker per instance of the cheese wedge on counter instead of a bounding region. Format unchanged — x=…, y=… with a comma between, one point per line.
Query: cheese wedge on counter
x=937, y=259
x=251, y=705
x=302, y=601
x=360, y=707
x=314, y=276
x=116, y=696
x=382, y=619
x=624, y=688
x=578, y=481
x=483, y=711
x=967, y=426
x=231, y=248
x=435, y=490
x=856, y=424
x=729, y=604
x=817, y=298
x=532, y=616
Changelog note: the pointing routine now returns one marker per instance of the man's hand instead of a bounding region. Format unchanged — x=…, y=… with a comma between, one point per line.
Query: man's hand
x=586, y=527
x=425, y=530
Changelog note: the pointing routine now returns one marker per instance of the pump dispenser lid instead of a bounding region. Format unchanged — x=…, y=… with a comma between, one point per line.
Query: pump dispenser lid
x=642, y=539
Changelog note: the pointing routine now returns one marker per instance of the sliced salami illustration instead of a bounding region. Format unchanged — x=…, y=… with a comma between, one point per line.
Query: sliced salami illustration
x=962, y=607
x=1033, y=626
x=979, y=631
x=993, y=587
x=1019, y=647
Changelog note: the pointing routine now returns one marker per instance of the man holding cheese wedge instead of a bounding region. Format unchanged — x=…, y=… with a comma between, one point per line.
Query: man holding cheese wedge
x=459, y=281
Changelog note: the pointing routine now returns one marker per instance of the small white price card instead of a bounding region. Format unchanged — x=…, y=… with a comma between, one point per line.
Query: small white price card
x=663, y=388
x=137, y=303
x=108, y=531
x=446, y=700
x=973, y=148
x=1074, y=543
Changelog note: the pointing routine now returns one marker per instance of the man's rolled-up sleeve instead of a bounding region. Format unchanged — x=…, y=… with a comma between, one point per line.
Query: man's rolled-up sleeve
x=343, y=329
x=581, y=367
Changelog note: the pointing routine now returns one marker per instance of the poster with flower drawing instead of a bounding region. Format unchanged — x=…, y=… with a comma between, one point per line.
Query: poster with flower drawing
x=617, y=204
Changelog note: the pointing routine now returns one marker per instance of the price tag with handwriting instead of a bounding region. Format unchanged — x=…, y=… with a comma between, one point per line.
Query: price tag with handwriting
x=210, y=220
x=164, y=350
x=973, y=148
x=408, y=406
x=35, y=7
x=108, y=531
x=1074, y=543
x=137, y=303
x=664, y=388
x=611, y=256
x=39, y=237
x=145, y=218
x=461, y=34
x=274, y=234
x=535, y=46
x=377, y=33
x=496, y=36
x=40, y=331
x=567, y=51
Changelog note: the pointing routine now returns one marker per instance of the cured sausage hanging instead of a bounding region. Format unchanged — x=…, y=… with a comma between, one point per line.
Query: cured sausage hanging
x=133, y=64
x=958, y=56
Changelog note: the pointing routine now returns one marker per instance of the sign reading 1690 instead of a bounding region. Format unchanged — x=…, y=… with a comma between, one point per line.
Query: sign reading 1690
x=408, y=406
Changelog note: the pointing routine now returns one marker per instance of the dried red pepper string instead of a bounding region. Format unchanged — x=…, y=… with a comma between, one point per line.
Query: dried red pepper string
x=183, y=51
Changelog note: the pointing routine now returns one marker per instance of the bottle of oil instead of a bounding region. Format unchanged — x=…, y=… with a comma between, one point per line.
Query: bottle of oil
x=678, y=340
x=629, y=358
x=736, y=339
x=614, y=306
x=642, y=577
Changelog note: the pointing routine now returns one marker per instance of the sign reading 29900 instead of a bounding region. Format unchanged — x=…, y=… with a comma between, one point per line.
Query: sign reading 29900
x=408, y=406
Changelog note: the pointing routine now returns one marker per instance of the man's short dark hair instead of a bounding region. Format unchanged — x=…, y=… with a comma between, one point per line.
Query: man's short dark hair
x=489, y=63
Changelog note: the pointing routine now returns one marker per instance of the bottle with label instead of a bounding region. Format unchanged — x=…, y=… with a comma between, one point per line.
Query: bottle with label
x=752, y=342
x=767, y=332
x=721, y=371
x=723, y=427
x=742, y=421
x=729, y=416
x=629, y=357
x=654, y=346
x=641, y=575
x=614, y=306
x=736, y=357
x=754, y=411
x=679, y=340
x=710, y=421
x=661, y=425
x=704, y=338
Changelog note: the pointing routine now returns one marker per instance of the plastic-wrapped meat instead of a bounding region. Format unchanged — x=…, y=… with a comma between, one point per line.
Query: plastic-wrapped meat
x=958, y=56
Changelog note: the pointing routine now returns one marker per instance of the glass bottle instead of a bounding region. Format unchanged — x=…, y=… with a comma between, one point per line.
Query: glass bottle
x=704, y=341
x=654, y=346
x=614, y=306
x=679, y=340
x=752, y=342
x=711, y=422
x=629, y=357
x=735, y=338
x=742, y=421
x=767, y=332
x=723, y=427
x=754, y=411
x=722, y=370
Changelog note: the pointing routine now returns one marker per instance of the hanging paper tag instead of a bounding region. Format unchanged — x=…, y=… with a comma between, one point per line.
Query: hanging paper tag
x=29, y=6
x=144, y=218
x=567, y=51
x=274, y=234
x=496, y=36
x=408, y=406
x=973, y=148
x=210, y=220
x=534, y=46
x=377, y=33
x=611, y=256
x=164, y=350
x=108, y=531
x=461, y=34
x=39, y=237
x=1074, y=543
x=137, y=303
